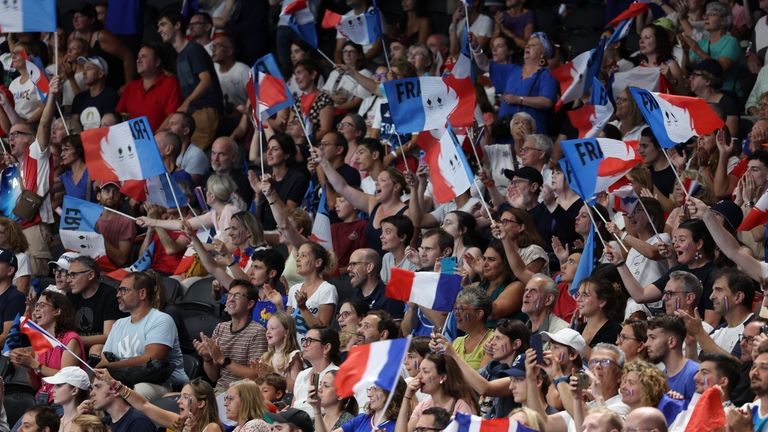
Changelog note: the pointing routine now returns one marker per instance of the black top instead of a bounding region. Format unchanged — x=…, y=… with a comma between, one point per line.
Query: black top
x=105, y=102
x=132, y=421
x=91, y=313
x=11, y=304
x=378, y=301
x=190, y=63
x=706, y=276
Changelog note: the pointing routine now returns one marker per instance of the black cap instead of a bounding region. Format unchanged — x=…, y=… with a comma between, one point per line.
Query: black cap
x=517, y=369
x=9, y=258
x=730, y=212
x=713, y=68
x=531, y=174
x=86, y=9
x=294, y=416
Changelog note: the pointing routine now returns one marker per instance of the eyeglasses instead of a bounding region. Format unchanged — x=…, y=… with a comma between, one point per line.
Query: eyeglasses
x=354, y=263
x=305, y=341
x=60, y=272
x=39, y=305
x=14, y=134
x=668, y=293
x=506, y=222
x=237, y=296
x=345, y=315
x=346, y=124
x=527, y=149
x=603, y=363
x=123, y=290
x=228, y=398
x=72, y=275
x=426, y=429
x=742, y=338
x=623, y=338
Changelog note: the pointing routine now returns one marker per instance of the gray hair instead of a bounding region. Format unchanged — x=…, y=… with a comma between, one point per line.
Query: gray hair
x=550, y=286
x=620, y=357
x=522, y=115
x=477, y=298
x=542, y=142
x=690, y=282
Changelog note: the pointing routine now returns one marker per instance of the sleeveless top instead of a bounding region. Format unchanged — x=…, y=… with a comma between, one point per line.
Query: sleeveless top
x=373, y=235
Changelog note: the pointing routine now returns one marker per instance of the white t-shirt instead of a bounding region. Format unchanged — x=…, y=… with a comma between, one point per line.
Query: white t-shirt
x=482, y=27
x=533, y=252
x=345, y=85
x=233, y=83
x=368, y=185
x=500, y=158
x=368, y=109
x=324, y=294
x=127, y=339
x=301, y=389
x=442, y=210
x=25, y=98
x=23, y=269
x=388, y=262
x=727, y=337
x=193, y=161
x=646, y=270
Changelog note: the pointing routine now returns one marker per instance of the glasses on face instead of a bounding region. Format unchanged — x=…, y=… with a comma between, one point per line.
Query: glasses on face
x=426, y=429
x=72, y=275
x=527, y=149
x=344, y=315
x=748, y=339
x=59, y=272
x=228, y=398
x=623, y=338
x=380, y=76
x=603, y=363
x=345, y=124
x=355, y=263
x=15, y=134
x=306, y=341
x=506, y=222
x=669, y=293
x=237, y=296
x=40, y=305
x=123, y=290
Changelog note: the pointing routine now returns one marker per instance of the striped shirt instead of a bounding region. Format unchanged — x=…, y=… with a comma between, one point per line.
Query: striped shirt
x=241, y=346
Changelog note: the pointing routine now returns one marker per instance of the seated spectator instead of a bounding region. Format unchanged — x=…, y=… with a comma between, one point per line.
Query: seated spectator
x=291, y=420
x=396, y=234
x=283, y=356
x=122, y=417
x=40, y=418
x=76, y=181
x=632, y=339
x=706, y=82
x=155, y=94
x=95, y=303
x=97, y=95
x=472, y=309
x=54, y=313
x=320, y=348
x=331, y=411
x=601, y=308
x=348, y=235
x=350, y=314
x=69, y=387
x=12, y=239
x=314, y=103
x=313, y=302
x=118, y=230
x=244, y=405
x=191, y=159
x=267, y=266
x=346, y=93
x=365, y=276
x=644, y=385
x=232, y=74
x=288, y=183
x=374, y=411
x=147, y=334
x=59, y=268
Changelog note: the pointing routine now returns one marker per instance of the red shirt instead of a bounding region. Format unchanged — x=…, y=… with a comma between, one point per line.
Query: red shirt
x=161, y=100
x=9, y=97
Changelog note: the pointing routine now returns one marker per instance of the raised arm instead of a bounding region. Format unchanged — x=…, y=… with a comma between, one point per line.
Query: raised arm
x=278, y=207
x=357, y=198
x=46, y=120
x=137, y=401
x=516, y=262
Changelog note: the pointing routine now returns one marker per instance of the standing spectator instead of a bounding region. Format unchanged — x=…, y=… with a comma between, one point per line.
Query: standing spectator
x=232, y=74
x=155, y=94
x=197, y=77
x=200, y=26
x=191, y=159
x=364, y=274
x=97, y=95
x=26, y=98
x=118, y=231
x=313, y=302
x=665, y=344
x=122, y=417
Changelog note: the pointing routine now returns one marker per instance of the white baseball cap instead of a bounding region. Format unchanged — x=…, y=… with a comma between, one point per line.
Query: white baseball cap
x=568, y=337
x=71, y=375
x=96, y=61
x=64, y=260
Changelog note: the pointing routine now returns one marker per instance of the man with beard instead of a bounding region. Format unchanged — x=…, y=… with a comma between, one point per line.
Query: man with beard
x=364, y=270
x=666, y=334
x=754, y=415
x=118, y=231
x=97, y=95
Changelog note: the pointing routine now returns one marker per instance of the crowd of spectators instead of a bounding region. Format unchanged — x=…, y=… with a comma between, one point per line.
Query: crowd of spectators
x=243, y=317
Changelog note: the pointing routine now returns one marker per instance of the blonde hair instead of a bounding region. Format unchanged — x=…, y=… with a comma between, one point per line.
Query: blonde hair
x=651, y=379
x=288, y=346
x=251, y=402
x=90, y=423
x=224, y=190
x=535, y=421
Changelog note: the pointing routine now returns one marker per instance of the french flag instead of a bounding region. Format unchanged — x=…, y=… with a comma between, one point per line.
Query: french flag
x=41, y=340
x=143, y=263
x=37, y=75
x=469, y=423
x=28, y=16
x=10, y=190
x=463, y=66
x=648, y=78
x=592, y=165
x=267, y=92
x=362, y=29
x=591, y=118
x=377, y=364
x=77, y=227
x=449, y=170
x=321, y=227
x=676, y=119
x=634, y=10
x=302, y=20
x=692, y=187
x=436, y=291
x=112, y=154
x=426, y=103
x=625, y=199
x=572, y=76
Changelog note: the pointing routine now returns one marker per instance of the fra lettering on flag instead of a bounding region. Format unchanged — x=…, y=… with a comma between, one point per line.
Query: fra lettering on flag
x=362, y=29
x=676, y=119
x=377, y=363
x=426, y=103
x=592, y=165
x=112, y=154
x=449, y=170
x=20, y=16
x=77, y=227
x=436, y=291
x=469, y=423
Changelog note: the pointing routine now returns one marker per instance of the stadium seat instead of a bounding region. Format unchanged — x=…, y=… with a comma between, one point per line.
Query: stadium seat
x=16, y=404
x=200, y=322
x=172, y=289
x=201, y=292
x=192, y=366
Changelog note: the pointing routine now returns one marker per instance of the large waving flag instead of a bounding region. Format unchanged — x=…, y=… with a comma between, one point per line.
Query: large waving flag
x=142, y=264
x=362, y=29
x=436, y=291
x=41, y=340
x=591, y=118
x=302, y=21
x=757, y=216
x=20, y=16
x=449, y=170
x=592, y=165
x=676, y=119
x=10, y=190
x=321, y=228
x=426, y=103
x=586, y=262
x=377, y=364
x=470, y=423
x=708, y=413
x=112, y=154
x=77, y=227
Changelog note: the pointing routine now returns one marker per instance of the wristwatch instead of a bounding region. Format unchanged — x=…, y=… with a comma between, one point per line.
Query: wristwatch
x=226, y=363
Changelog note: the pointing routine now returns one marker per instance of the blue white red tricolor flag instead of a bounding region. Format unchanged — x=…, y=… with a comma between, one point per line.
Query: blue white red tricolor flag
x=586, y=262
x=426, y=103
x=143, y=263
x=77, y=227
x=676, y=119
x=449, y=169
x=571, y=77
x=302, y=20
x=362, y=29
x=10, y=190
x=436, y=291
x=591, y=118
x=592, y=165
x=20, y=16
x=376, y=364
x=470, y=423
x=41, y=340
x=625, y=199
x=321, y=227
x=267, y=92
x=112, y=154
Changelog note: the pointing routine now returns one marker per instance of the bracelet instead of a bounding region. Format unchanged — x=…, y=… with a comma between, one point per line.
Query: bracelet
x=271, y=203
x=125, y=392
x=522, y=99
x=624, y=235
x=560, y=379
x=408, y=397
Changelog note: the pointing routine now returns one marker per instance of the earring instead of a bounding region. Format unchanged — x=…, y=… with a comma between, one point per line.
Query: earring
x=697, y=255
x=542, y=61
x=442, y=381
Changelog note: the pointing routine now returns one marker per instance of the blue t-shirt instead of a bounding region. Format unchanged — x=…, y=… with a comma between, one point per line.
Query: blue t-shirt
x=127, y=339
x=362, y=423
x=507, y=79
x=11, y=304
x=683, y=382
x=77, y=190
x=132, y=421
